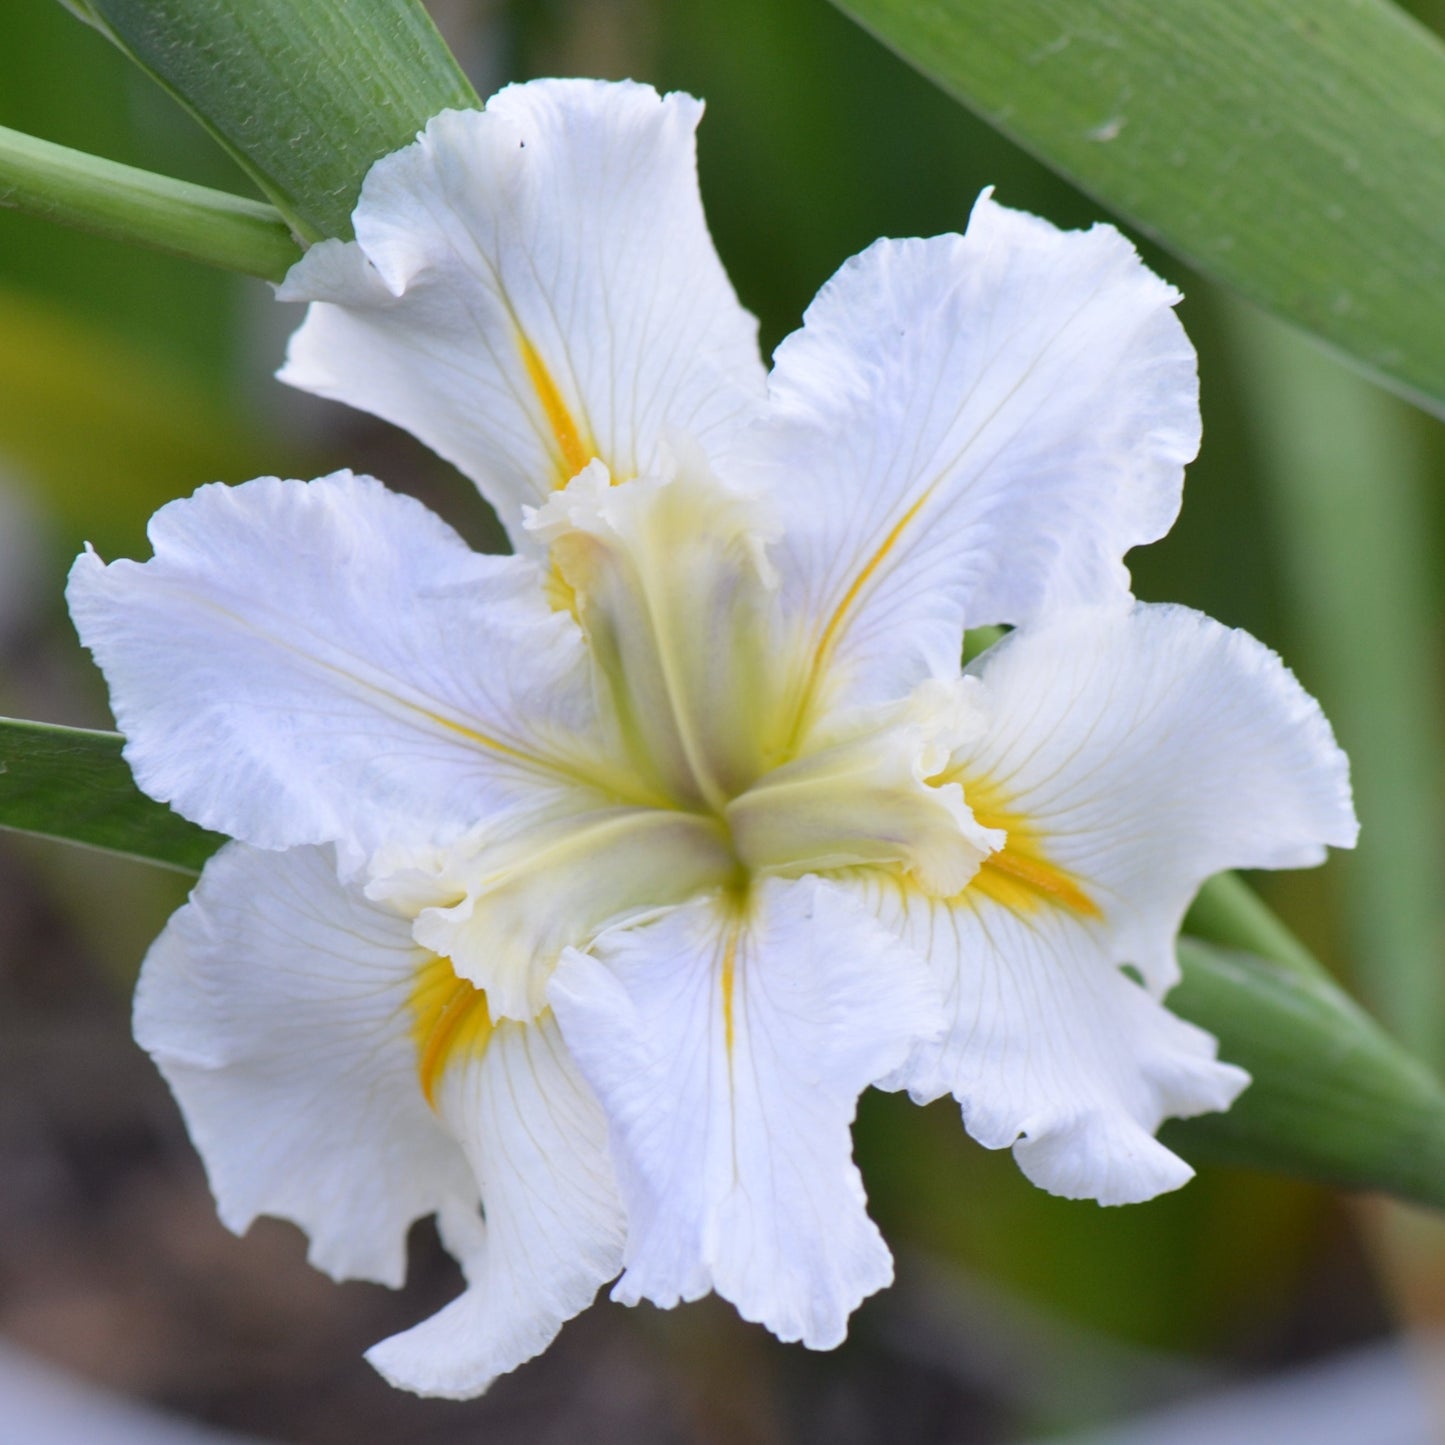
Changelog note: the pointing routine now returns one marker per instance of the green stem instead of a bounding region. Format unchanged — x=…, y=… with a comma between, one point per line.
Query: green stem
x=127, y=204
x=1228, y=912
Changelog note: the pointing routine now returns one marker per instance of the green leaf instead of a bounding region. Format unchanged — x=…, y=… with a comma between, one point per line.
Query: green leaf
x=305, y=94
x=1334, y=1098
x=73, y=784
x=1294, y=149
x=1228, y=912
x=1350, y=483
x=109, y=199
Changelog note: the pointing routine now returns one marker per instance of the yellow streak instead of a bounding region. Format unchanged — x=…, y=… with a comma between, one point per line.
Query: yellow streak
x=450, y=1016
x=1019, y=875
x=737, y=896
x=373, y=688
x=1015, y=878
x=574, y=451
x=481, y=739
x=729, y=977
x=829, y=638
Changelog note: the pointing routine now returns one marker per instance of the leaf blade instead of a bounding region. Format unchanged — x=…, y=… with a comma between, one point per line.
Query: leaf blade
x=1349, y=481
x=344, y=85
x=1334, y=1098
x=73, y=785
x=1293, y=149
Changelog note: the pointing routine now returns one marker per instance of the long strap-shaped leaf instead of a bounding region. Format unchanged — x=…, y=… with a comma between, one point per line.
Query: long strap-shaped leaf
x=306, y=94
x=1333, y=1096
x=73, y=784
x=1295, y=149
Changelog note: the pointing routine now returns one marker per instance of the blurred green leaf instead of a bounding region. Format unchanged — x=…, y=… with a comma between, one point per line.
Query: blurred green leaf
x=1228, y=912
x=1349, y=479
x=305, y=94
x=1334, y=1097
x=73, y=784
x=1295, y=149
x=1193, y=1270
x=57, y=183
x=65, y=82
x=103, y=432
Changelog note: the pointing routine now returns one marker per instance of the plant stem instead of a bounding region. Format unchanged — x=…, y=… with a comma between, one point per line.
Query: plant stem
x=133, y=205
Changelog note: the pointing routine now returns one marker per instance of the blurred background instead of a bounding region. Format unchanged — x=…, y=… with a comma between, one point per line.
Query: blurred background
x=1312, y=519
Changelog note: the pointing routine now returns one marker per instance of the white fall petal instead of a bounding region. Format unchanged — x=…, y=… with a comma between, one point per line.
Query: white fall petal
x=532, y=286
x=970, y=430
x=1130, y=754
x=1054, y=1051
x=276, y=1005
x=728, y=1043
x=318, y=662
x=283, y=1009
x=553, y=1225
x=1144, y=748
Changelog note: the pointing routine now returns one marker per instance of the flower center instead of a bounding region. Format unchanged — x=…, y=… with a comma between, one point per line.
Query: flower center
x=669, y=579
x=702, y=684
x=706, y=681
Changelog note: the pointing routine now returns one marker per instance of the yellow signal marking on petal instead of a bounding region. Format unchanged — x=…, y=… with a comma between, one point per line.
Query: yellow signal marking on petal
x=612, y=782
x=575, y=453
x=473, y=736
x=1020, y=875
x=1016, y=879
x=737, y=898
x=825, y=643
x=729, y=979
x=828, y=640
x=450, y=1018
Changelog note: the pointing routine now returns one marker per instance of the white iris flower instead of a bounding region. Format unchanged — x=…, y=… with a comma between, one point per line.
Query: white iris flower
x=579, y=893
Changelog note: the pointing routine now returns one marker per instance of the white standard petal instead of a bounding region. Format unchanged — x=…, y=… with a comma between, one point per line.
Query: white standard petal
x=553, y=1226
x=971, y=429
x=328, y=661
x=728, y=1042
x=532, y=286
x=277, y=1006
